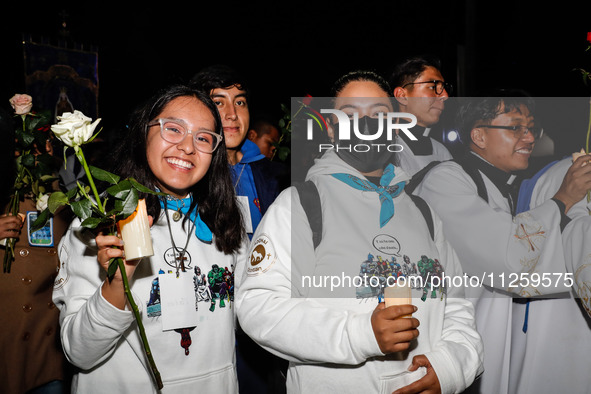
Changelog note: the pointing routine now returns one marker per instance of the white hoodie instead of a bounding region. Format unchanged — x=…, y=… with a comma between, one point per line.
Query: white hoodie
x=104, y=341
x=327, y=335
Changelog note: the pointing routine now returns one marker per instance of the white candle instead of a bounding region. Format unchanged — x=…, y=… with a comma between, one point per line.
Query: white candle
x=135, y=232
x=398, y=295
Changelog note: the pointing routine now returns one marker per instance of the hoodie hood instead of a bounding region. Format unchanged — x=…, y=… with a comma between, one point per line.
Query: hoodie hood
x=331, y=163
x=250, y=152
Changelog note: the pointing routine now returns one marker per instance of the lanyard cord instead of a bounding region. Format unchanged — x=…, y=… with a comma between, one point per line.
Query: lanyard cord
x=174, y=248
x=239, y=176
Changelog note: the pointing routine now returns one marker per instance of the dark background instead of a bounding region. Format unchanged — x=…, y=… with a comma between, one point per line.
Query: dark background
x=291, y=49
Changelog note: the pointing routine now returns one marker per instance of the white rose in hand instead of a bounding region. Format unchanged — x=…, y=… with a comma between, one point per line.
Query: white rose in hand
x=42, y=202
x=74, y=129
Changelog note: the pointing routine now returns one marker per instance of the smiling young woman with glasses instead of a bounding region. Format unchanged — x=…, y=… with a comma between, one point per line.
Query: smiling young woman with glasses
x=198, y=239
x=175, y=131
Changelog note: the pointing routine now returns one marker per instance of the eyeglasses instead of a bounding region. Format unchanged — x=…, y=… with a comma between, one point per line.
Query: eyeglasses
x=438, y=86
x=175, y=130
x=519, y=131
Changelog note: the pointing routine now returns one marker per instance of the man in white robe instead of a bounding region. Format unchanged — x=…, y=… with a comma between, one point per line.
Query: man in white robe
x=560, y=320
x=476, y=201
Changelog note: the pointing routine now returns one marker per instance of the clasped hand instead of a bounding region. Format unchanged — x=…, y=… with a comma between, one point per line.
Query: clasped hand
x=109, y=247
x=394, y=332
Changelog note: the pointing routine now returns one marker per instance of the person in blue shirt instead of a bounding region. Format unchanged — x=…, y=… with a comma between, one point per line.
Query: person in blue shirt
x=257, y=181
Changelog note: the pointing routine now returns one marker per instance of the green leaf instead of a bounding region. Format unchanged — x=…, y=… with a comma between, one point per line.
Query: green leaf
x=97, y=213
x=82, y=208
x=283, y=153
x=46, y=159
x=141, y=188
x=33, y=122
x=120, y=190
x=41, y=168
x=94, y=136
x=26, y=139
x=56, y=200
x=128, y=206
x=65, y=156
x=91, y=222
x=115, y=210
x=28, y=160
x=45, y=116
x=47, y=178
x=72, y=193
x=40, y=221
x=113, y=265
x=103, y=175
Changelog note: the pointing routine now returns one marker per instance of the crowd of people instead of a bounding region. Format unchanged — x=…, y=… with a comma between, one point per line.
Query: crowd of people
x=228, y=224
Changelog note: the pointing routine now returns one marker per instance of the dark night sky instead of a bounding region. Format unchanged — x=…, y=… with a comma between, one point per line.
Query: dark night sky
x=298, y=48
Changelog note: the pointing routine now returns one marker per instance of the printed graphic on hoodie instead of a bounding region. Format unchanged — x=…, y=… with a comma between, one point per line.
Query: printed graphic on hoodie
x=426, y=276
x=215, y=288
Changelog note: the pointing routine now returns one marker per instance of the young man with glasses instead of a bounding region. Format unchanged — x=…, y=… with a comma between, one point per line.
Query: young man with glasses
x=257, y=181
x=419, y=89
x=476, y=199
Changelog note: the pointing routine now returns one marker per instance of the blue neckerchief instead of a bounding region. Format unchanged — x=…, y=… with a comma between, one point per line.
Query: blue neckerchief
x=386, y=193
x=201, y=230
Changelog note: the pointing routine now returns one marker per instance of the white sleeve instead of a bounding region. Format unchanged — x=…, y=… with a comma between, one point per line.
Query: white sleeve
x=577, y=248
x=272, y=311
x=490, y=243
x=458, y=357
x=90, y=326
x=548, y=185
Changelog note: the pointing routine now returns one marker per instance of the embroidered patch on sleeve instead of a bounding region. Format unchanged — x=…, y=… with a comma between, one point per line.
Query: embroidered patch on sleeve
x=262, y=256
x=63, y=275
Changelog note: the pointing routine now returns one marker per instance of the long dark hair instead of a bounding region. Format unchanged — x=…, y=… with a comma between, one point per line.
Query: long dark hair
x=213, y=194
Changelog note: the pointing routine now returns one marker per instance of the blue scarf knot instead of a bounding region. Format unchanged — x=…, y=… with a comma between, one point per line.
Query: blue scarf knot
x=386, y=193
x=201, y=230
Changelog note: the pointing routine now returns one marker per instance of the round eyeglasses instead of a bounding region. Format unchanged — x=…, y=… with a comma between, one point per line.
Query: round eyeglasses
x=175, y=131
x=519, y=131
x=437, y=85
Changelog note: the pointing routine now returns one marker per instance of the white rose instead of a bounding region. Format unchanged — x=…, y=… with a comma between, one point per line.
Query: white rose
x=74, y=129
x=42, y=202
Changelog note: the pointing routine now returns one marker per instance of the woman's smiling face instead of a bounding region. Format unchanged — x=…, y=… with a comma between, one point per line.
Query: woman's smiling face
x=177, y=167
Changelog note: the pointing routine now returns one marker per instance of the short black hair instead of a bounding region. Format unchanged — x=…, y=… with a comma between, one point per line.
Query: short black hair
x=263, y=126
x=409, y=69
x=218, y=76
x=485, y=109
